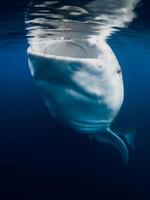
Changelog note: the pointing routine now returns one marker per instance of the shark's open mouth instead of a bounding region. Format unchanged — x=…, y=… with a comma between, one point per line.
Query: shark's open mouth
x=69, y=49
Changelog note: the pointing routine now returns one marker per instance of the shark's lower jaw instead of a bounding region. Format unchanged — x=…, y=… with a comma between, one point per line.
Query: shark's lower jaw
x=82, y=126
x=86, y=127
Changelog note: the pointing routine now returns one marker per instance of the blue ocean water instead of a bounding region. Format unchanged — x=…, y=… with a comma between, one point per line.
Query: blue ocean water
x=40, y=159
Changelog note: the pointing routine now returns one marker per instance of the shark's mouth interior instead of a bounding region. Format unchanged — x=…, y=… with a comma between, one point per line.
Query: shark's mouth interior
x=71, y=49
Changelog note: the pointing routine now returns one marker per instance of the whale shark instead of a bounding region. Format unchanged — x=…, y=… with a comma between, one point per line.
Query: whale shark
x=80, y=78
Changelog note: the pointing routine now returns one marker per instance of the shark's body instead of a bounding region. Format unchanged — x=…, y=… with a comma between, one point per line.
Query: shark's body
x=82, y=85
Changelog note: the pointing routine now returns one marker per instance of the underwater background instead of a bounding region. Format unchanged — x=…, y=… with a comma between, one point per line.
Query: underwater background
x=39, y=158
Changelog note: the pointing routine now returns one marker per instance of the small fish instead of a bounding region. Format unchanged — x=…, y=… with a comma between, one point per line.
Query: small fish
x=82, y=84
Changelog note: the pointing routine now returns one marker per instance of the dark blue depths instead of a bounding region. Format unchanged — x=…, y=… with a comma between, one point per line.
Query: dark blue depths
x=40, y=159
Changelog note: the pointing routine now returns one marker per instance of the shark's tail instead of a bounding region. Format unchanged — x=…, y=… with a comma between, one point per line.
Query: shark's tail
x=113, y=139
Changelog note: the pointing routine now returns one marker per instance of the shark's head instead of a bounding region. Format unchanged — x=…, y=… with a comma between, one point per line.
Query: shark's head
x=80, y=82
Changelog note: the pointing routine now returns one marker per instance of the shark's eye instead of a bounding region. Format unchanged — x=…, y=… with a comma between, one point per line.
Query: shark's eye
x=119, y=71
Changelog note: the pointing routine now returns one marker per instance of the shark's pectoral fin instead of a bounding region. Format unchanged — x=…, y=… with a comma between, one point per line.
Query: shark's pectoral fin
x=111, y=138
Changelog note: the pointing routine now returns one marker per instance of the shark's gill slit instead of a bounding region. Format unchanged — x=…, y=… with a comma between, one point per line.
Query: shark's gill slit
x=80, y=78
